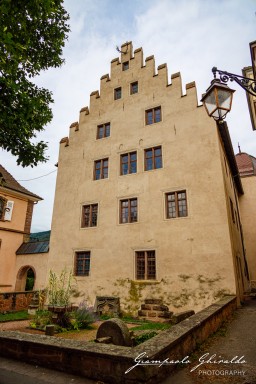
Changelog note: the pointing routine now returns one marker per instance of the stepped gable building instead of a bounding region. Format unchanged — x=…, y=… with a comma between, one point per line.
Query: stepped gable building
x=16, y=210
x=146, y=202
x=247, y=169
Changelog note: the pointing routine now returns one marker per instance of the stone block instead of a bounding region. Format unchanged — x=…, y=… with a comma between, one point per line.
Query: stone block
x=151, y=314
x=165, y=314
x=142, y=313
x=178, y=317
x=153, y=301
x=147, y=307
x=160, y=307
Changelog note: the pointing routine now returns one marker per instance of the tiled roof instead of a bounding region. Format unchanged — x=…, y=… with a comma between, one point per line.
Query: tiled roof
x=8, y=181
x=246, y=164
x=33, y=247
x=38, y=243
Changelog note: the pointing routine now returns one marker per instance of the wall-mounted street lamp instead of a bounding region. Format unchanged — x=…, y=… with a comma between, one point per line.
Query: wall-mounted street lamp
x=218, y=98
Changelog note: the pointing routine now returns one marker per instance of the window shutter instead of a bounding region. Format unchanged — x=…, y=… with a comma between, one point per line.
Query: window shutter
x=8, y=210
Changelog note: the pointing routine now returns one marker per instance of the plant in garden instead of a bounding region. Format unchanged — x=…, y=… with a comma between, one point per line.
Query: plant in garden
x=41, y=319
x=60, y=288
x=84, y=316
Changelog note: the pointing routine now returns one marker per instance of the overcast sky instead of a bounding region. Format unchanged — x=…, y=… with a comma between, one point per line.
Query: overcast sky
x=191, y=36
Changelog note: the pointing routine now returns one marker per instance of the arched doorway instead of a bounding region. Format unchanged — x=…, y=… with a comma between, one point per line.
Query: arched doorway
x=25, y=279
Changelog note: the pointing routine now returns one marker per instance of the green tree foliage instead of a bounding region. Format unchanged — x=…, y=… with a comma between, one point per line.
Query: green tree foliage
x=32, y=37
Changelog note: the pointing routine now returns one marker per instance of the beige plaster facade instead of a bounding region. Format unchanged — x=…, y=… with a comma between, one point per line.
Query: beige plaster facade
x=247, y=169
x=16, y=209
x=189, y=260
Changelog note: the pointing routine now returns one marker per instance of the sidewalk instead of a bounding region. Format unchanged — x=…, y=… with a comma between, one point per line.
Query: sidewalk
x=238, y=339
x=237, y=342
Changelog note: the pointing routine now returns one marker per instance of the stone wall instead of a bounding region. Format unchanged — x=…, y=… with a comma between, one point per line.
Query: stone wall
x=109, y=363
x=15, y=301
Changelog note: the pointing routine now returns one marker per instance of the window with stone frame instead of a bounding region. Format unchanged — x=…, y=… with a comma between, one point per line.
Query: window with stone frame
x=89, y=215
x=103, y=130
x=153, y=115
x=145, y=265
x=101, y=169
x=125, y=65
x=128, y=163
x=176, y=204
x=82, y=263
x=117, y=93
x=153, y=158
x=128, y=211
x=134, y=88
x=3, y=202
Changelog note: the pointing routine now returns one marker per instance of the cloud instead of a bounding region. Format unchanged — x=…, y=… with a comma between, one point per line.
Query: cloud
x=190, y=36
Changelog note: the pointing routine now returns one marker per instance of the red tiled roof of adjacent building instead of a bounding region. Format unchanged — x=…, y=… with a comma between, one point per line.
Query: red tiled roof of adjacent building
x=246, y=164
x=8, y=181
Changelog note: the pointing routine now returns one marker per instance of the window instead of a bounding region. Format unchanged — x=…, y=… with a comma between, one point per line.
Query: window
x=2, y=207
x=153, y=115
x=128, y=211
x=89, y=215
x=118, y=93
x=126, y=66
x=145, y=265
x=82, y=263
x=134, y=88
x=176, y=204
x=153, y=158
x=103, y=130
x=129, y=163
x=101, y=169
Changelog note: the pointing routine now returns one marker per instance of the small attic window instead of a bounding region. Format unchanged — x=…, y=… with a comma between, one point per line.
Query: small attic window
x=126, y=66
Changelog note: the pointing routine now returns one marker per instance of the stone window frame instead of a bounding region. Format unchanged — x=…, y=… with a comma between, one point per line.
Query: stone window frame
x=82, y=263
x=105, y=128
x=102, y=168
x=145, y=265
x=125, y=66
x=130, y=162
x=155, y=158
x=176, y=207
x=153, y=116
x=128, y=210
x=3, y=204
x=89, y=217
x=133, y=90
x=118, y=93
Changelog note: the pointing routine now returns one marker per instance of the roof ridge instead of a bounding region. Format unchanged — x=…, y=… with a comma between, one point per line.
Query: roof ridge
x=8, y=181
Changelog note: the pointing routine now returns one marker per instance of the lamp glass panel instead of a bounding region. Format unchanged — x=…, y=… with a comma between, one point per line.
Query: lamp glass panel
x=210, y=102
x=224, y=99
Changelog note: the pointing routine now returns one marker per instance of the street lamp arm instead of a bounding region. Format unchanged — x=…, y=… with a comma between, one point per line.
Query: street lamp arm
x=249, y=85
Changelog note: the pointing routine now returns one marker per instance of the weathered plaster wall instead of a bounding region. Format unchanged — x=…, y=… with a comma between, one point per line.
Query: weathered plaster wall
x=11, y=236
x=248, y=214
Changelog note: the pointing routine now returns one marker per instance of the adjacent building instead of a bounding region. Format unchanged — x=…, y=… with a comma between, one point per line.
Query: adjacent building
x=16, y=209
x=247, y=169
x=146, y=202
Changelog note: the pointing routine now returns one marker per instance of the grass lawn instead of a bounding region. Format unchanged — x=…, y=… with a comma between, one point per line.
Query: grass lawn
x=12, y=316
x=152, y=326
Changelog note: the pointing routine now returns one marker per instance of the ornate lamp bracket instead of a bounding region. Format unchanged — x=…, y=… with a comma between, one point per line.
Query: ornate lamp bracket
x=249, y=85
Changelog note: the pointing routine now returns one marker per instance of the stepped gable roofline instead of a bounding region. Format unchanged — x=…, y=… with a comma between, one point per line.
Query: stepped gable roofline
x=7, y=181
x=246, y=164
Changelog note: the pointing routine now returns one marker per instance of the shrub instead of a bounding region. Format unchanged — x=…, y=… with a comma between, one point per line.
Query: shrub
x=84, y=316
